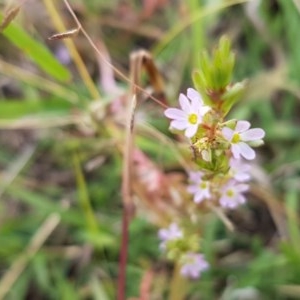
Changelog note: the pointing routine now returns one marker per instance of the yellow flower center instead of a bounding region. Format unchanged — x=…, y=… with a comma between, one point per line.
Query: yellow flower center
x=203, y=185
x=236, y=138
x=230, y=193
x=193, y=119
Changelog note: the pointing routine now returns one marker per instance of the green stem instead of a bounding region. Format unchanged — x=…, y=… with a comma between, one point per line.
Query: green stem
x=178, y=285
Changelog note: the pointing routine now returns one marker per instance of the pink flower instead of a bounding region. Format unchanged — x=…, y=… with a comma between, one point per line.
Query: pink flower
x=194, y=265
x=199, y=188
x=173, y=232
x=239, y=170
x=232, y=194
x=239, y=137
x=190, y=115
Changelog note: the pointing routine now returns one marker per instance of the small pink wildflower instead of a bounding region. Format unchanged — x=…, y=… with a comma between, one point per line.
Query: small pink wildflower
x=190, y=115
x=239, y=137
x=194, y=265
x=239, y=170
x=173, y=232
x=232, y=194
x=198, y=187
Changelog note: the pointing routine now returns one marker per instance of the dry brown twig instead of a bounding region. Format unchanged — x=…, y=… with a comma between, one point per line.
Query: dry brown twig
x=116, y=70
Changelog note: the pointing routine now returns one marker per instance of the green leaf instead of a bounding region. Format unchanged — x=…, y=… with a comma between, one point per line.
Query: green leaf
x=14, y=109
x=98, y=289
x=36, y=51
x=200, y=84
x=216, y=71
x=232, y=95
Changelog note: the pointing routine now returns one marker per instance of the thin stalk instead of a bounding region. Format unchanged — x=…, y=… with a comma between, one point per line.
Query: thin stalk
x=178, y=285
x=58, y=23
x=123, y=255
x=127, y=199
x=116, y=70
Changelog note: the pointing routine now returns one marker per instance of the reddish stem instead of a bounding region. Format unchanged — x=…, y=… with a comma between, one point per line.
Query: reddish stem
x=205, y=126
x=123, y=255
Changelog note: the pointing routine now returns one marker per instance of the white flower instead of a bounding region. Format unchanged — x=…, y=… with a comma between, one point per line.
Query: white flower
x=239, y=137
x=190, y=115
x=239, y=170
x=194, y=265
x=198, y=187
x=173, y=232
x=232, y=194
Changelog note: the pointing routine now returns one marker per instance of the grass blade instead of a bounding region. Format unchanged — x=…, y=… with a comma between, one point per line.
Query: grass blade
x=36, y=51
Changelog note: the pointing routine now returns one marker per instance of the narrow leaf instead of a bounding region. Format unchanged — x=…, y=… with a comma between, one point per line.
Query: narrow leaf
x=36, y=51
x=8, y=17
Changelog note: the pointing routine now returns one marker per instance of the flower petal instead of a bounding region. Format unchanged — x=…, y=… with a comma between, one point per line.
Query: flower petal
x=207, y=194
x=184, y=103
x=242, y=176
x=191, y=131
x=241, y=199
x=163, y=234
x=204, y=109
x=194, y=264
x=253, y=134
x=242, y=126
x=199, y=196
x=227, y=133
x=242, y=187
x=225, y=201
x=171, y=233
x=239, y=170
x=196, y=107
x=192, y=189
x=246, y=151
x=195, y=176
x=206, y=155
x=235, y=149
x=179, y=124
x=174, y=113
x=193, y=94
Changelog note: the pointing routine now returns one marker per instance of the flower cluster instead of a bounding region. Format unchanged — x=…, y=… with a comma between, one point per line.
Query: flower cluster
x=173, y=242
x=218, y=143
x=221, y=148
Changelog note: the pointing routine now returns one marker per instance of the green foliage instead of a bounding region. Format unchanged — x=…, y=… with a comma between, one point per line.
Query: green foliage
x=213, y=79
x=14, y=109
x=215, y=72
x=79, y=259
x=36, y=51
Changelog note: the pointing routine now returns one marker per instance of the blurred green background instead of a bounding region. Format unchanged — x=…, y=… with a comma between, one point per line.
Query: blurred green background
x=60, y=187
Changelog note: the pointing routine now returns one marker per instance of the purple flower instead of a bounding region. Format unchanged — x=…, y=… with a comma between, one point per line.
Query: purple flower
x=232, y=194
x=190, y=115
x=198, y=187
x=239, y=170
x=194, y=265
x=173, y=232
x=63, y=55
x=239, y=137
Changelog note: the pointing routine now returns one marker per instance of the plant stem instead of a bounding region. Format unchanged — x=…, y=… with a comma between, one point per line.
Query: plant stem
x=123, y=255
x=178, y=285
x=128, y=206
x=73, y=51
